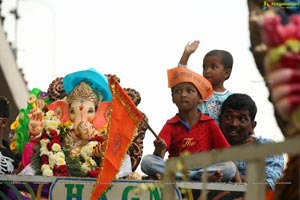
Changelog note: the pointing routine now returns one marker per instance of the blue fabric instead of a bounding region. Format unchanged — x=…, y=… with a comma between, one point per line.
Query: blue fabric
x=274, y=165
x=95, y=79
x=212, y=106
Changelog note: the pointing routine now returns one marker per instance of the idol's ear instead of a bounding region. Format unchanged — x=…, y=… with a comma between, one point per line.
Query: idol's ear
x=102, y=114
x=61, y=109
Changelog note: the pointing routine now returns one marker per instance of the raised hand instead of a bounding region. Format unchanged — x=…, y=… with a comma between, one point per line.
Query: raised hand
x=188, y=50
x=191, y=47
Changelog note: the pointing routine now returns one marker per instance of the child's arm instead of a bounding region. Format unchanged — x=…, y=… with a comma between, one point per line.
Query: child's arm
x=160, y=148
x=188, y=50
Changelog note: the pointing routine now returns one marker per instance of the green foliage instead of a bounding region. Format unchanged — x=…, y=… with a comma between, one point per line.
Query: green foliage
x=73, y=164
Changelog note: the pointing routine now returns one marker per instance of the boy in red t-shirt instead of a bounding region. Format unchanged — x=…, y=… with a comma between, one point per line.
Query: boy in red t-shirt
x=189, y=130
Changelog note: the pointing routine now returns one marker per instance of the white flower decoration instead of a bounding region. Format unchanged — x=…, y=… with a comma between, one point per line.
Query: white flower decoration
x=52, y=161
x=47, y=171
x=44, y=150
x=86, y=153
x=44, y=142
x=56, y=147
x=85, y=167
x=51, y=121
x=60, y=161
x=59, y=155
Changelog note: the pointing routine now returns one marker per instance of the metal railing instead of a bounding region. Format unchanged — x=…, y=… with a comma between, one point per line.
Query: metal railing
x=254, y=155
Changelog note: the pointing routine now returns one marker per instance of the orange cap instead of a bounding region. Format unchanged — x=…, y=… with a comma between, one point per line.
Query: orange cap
x=183, y=74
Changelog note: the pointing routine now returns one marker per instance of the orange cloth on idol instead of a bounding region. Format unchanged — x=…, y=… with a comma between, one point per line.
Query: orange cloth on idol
x=183, y=74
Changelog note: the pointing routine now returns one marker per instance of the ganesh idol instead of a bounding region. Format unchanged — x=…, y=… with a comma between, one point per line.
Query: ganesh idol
x=74, y=117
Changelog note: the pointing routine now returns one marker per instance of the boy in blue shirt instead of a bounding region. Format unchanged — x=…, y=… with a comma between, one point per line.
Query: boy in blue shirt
x=217, y=67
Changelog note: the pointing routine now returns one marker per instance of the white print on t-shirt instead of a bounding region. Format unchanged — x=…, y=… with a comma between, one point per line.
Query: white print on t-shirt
x=214, y=107
x=6, y=164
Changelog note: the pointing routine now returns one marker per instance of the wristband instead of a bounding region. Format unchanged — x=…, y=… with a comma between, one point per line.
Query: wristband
x=181, y=65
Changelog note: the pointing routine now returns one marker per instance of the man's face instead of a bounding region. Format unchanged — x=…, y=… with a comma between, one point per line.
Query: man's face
x=236, y=125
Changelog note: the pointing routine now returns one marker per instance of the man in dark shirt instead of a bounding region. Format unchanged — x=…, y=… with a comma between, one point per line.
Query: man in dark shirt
x=7, y=157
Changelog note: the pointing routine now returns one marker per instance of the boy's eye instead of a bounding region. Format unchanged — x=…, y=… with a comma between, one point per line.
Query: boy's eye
x=213, y=66
x=190, y=90
x=177, y=91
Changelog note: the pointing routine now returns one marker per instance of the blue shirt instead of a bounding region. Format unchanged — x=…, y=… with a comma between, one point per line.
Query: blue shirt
x=212, y=105
x=274, y=165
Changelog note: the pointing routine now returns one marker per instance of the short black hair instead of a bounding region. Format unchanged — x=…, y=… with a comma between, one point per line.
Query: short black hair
x=226, y=57
x=4, y=107
x=239, y=101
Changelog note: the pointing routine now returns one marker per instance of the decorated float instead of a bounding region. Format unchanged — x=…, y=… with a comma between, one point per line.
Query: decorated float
x=82, y=138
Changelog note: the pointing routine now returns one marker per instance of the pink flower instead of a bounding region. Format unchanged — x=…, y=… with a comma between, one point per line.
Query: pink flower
x=270, y=34
x=295, y=20
x=274, y=33
x=290, y=60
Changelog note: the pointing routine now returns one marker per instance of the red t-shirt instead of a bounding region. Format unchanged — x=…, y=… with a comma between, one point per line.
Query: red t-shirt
x=205, y=135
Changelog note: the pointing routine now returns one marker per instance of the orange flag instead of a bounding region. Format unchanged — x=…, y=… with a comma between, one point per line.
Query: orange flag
x=122, y=124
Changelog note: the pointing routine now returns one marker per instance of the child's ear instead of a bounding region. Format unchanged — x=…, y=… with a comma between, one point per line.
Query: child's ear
x=227, y=73
x=200, y=101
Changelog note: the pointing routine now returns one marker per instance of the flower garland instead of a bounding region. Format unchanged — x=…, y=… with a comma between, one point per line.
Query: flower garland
x=86, y=152
x=52, y=157
x=54, y=161
x=90, y=165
